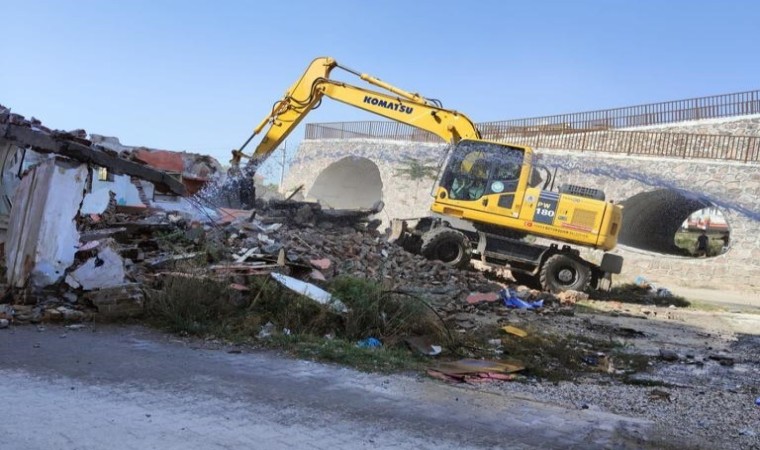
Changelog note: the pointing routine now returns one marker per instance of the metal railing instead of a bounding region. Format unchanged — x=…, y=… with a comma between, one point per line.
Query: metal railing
x=663, y=144
x=725, y=105
x=666, y=144
x=370, y=130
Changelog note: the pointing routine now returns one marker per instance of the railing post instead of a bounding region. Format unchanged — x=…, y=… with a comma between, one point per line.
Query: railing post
x=750, y=145
x=686, y=147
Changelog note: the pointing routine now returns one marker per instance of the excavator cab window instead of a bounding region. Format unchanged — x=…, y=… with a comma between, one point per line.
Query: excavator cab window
x=480, y=168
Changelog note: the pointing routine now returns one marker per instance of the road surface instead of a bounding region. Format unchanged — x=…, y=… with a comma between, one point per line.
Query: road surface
x=127, y=387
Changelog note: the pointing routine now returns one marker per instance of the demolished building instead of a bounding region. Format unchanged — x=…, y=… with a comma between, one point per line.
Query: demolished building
x=53, y=183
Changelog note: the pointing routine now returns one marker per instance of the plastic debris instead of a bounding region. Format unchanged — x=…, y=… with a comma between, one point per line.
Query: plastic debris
x=309, y=290
x=370, y=342
x=266, y=330
x=641, y=282
x=757, y=401
x=510, y=299
x=424, y=345
x=514, y=330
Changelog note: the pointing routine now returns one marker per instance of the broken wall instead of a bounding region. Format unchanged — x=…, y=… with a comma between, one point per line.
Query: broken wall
x=42, y=235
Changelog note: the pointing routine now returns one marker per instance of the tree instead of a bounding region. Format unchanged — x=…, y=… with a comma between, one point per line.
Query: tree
x=417, y=170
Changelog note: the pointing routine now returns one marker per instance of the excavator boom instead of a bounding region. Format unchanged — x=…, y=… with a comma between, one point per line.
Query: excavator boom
x=307, y=92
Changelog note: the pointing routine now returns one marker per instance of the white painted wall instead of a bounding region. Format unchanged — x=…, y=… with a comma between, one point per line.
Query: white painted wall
x=42, y=236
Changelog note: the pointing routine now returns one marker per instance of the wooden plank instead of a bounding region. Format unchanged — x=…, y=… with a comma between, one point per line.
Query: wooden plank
x=38, y=141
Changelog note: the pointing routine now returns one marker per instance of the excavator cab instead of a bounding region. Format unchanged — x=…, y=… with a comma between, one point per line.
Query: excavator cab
x=481, y=170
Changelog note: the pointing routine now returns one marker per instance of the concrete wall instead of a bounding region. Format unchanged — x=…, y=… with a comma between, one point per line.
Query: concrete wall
x=669, y=184
x=741, y=126
x=403, y=196
x=732, y=187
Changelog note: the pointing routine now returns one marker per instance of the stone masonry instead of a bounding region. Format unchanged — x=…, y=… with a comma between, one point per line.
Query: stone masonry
x=733, y=187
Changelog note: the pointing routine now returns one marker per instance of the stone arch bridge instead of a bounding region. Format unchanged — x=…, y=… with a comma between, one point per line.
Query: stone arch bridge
x=658, y=193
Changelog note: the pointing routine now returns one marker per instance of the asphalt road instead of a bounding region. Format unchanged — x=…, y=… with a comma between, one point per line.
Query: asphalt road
x=126, y=387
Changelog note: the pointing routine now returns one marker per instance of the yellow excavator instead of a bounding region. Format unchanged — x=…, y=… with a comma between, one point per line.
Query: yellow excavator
x=488, y=198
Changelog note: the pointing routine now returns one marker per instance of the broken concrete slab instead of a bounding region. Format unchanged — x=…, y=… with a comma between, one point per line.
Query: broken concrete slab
x=118, y=302
x=310, y=291
x=102, y=271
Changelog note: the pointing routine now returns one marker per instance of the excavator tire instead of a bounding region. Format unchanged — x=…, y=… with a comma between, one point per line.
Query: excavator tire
x=446, y=245
x=563, y=273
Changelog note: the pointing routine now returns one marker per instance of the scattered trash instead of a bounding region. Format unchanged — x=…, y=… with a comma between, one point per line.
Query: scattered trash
x=423, y=345
x=483, y=297
x=476, y=370
x=309, y=290
x=757, y=401
x=510, y=299
x=494, y=342
x=369, y=342
x=591, y=360
x=266, y=331
x=641, y=282
x=515, y=331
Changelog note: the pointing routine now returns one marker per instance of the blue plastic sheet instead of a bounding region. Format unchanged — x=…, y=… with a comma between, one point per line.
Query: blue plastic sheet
x=510, y=300
x=369, y=343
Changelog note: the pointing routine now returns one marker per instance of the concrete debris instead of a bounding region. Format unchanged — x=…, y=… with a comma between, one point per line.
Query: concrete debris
x=118, y=301
x=310, y=291
x=668, y=355
x=571, y=297
x=104, y=270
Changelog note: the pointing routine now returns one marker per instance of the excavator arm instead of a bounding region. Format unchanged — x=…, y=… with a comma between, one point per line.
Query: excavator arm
x=396, y=104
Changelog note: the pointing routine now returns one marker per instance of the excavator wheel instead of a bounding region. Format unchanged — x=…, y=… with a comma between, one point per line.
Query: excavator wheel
x=446, y=245
x=562, y=273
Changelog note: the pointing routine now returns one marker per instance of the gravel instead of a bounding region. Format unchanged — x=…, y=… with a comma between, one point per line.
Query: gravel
x=693, y=418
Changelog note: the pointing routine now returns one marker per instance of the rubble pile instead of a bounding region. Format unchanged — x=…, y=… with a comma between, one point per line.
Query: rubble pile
x=335, y=243
x=101, y=239
x=123, y=251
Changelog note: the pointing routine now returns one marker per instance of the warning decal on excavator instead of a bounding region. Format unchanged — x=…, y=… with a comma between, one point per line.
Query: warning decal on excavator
x=546, y=207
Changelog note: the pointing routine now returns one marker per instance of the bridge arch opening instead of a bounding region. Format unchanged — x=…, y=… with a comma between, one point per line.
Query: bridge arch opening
x=662, y=221
x=351, y=182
